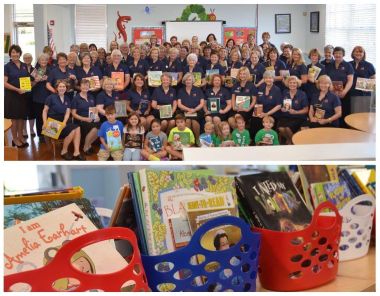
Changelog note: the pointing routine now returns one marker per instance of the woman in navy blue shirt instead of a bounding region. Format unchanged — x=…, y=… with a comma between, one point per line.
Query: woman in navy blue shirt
x=86, y=71
x=80, y=109
x=295, y=107
x=298, y=67
x=216, y=90
x=154, y=63
x=255, y=68
x=191, y=101
x=105, y=98
x=310, y=87
x=62, y=72
x=137, y=65
x=118, y=67
x=325, y=107
x=138, y=100
x=164, y=95
x=273, y=63
x=270, y=98
x=341, y=72
x=15, y=99
x=328, y=54
x=174, y=65
x=193, y=67
x=57, y=106
x=214, y=64
x=361, y=100
x=234, y=61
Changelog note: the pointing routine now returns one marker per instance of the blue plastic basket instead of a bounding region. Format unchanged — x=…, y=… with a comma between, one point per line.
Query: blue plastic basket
x=234, y=269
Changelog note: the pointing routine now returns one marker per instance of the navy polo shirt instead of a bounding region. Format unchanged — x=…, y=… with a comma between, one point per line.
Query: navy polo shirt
x=257, y=70
x=56, y=74
x=163, y=98
x=175, y=66
x=128, y=60
x=94, y=71
x=311, y=88
x=141, y=67
x=298, y=70
x=202, y=62
x=222, y=70
x=279, y=65
x=56, y=106
x=183, y=62
x=273, y=99
x=135, y=98
x=299, y=101
x=156, y=66
x=39, y=90
x=103, y=99
x=340, y=74
x=191, y=100
x=248, y=90
x=235, y=65
x=325, y=63
x=120, y=68
x=197, y=68
x=81, y=105
x=364, y=70
x=14, y=73
x=223, y=94
x=328, y=103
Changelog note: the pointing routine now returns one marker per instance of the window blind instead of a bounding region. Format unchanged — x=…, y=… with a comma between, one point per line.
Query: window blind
x=91, y=24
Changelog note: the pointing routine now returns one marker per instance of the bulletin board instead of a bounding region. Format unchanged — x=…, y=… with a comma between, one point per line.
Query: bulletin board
x=239, y=34
x=141, y=35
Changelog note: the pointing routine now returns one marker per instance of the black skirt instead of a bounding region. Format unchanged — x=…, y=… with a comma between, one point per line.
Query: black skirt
x=30, y=107
x=156, y=114
x=291, y=122
x=223, y=117
x=15, y=105
x=86, y=127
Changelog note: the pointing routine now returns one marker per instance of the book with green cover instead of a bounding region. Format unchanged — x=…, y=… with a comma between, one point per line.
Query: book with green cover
x=180, y=140
x=197, y=78
x=166, y=111
x=209, y=74
x=154, y=78
x=243, y=102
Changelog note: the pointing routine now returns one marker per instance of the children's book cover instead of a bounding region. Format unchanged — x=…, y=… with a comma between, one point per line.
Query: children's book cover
x=365, y=84
x=314, y=72
x=337, y=85
x=114, y=138
x=133, y=140
x=94, y=82
x=155, y=143
x=52, y=128
x=213, y=105
x=154, y=78
x=287, y=104
x=179, y=231
x=93, y=113
x=209, y=74
x=121, y=108
x=197, y=78
x=242, y=102
x=205, y=140
x=181, y=140
x=258, y=109
x=319, y=113
x=174, y=76
x=25, y=84
x=118, y=80
x=234, y=72
x=229, y=81
x=166, y=111
x=337, y=193
x=285, y=73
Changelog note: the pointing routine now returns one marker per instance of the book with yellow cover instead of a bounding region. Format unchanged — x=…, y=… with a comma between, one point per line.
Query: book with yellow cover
x=94, y=82
x=197, y=78
x=118, y=80
x=52, y=128
x=25, y=84
x=154, y=78
x=234, y=72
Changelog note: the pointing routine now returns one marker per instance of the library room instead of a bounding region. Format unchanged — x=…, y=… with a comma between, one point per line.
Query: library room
x=193, y=228
x=193, y=82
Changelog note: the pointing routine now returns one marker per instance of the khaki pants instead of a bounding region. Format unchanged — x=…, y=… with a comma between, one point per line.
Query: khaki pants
x=103, y=155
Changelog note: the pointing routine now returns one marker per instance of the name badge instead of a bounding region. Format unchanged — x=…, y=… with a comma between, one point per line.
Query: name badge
x=260, y=93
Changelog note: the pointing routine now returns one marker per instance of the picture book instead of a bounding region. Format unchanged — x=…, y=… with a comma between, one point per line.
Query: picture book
x=228, y=143
x=197, y=78
x=155, y=143
x=113, y=139
x=52, y=128
x=93, y=113
x=365, y=84
x=213, y=105
x=133, y=140
x=144, y=105
x=118, y=80
x=25, y=84
x=267, y=139
x=272, y=201
x=124, y=194
x=258, y=109
x=181, y=140
x=229, y=81
x=33, y=243
x=38, y=73
x=17, y=213
x=314, y=72
x=317, y=193
x=284, y=73
x=188, y=114
x=287, y=104
x=166, y=111
x=205, y=140
x=209, y=74
x=351, y=182
x=234, y=72
x=337, y=193
x=174, y=76
x=243, y=102
x=94, y=82
x=337, y=86
x=121, y=108
x=154, y=78
x=179, y=231
x=271, y=70
x=319, y=113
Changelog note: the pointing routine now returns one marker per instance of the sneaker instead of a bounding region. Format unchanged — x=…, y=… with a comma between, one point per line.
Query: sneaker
x=79, y=157
x=67, y=156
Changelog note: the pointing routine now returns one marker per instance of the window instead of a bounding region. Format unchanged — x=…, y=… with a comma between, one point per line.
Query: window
x=348, y=25
x=91, y=24
x=23, y=23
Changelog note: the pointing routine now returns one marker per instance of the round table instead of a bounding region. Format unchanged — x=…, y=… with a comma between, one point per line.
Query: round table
x=365, y=122
x=329, y=135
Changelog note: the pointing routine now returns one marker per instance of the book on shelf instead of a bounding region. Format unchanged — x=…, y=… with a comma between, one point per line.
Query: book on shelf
x=25, y=84
x=94, y=82
x=133, y=140
x=154, y=78
x=337, y=86
x=314, y=72
x=337, y=193
x=285, y=73
x=234, y=72
x=205, y=140
x=118, y=80
x=319, y=113
x=258, y=109
x=181, y=140
x=351, y=182
x=166, y=111
x=174, y=76
x=52, y=128
x=197, y=78
x=34, y=243
x=213, y=105
x=229, y=81
x=272, y=201
x=242, y=102
x=93, y=113
x=121, y=108
x=287, y=104
x=113, y=139
x=365, y=84
x=209, y=74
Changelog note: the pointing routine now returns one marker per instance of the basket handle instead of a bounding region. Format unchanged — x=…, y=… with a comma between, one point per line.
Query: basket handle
x=320, y=208
x=355, y=201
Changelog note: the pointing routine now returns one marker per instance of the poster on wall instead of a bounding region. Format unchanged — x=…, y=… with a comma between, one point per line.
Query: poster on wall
x=140, y=35
x=239, y=34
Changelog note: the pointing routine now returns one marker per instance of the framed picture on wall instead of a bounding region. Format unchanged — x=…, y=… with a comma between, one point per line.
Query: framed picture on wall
x=314, y=21
x=283, y=23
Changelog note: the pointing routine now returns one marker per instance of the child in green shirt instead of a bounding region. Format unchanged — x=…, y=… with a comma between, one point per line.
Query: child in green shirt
x=240, y=135
x=267, y=136
x=223, y=136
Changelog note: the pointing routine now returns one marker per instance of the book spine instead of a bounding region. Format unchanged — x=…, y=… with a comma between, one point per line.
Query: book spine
x=362, y=186
x=343, y=176
x=356, y=185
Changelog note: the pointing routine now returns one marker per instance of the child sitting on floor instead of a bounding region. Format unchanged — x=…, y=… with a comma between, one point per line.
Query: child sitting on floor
x=155, y=142
x=205, y=139
x=223, y=135
x=267, y=136
x=240, y=134
x=133, y=138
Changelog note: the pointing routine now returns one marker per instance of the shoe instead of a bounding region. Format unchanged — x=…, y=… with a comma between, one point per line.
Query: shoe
x=25, y=136
x=42, y=140
x=89, y=151
x=67, y=156
x=33, y=135
x=79, y=157
x=23, y=145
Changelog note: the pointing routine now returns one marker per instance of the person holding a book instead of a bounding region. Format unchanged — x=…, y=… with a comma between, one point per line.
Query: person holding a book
x=243, y=98
x=218, y=101
x=269, y=101
x=195, y=69
x=233, y=63
x=206, y=139
x=138, y=100
x=155, y=64
x=256, y=69
x=267, y=136
x=91, y=73
x=298, y=67
x=133, y=138
x=325, y=106
x=106, y=98
x=361, y=100
x=155, y=142
x=173, y=65
x=275, y=65
x=57, y=107
x=328, y=55
x=342, y=76
x=17, y=83
x=83, y=110
x=164, y=103
x=110, y=136
x=294, y=110
x=62, y=72
x=223, y=136
x=240, y=134
x=137, y=64
x=315, y=69
x=179, y=137
x=214, y=67
x=191, y=101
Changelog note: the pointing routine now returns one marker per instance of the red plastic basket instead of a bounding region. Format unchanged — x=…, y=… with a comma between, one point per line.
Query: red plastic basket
x=293, y=261
x=42, y=279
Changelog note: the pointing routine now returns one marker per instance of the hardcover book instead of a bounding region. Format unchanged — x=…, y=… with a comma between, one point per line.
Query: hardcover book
x=118, y=80
x=154, y=78
x=114, y=139
x=134, y=141
x=213, y=105
x=234, y=72
x=197, y=78
x=271, y=70
x=94, y=82
x=258, y=109
x=121, y=108
x=52, y=128
x=243, y=102
x=93, y=113
x=287, y=104
x=365, y=84
x=285, y=73
x=144, y=105
x=229, y=81
x=337, y=86
x=166, y=111
x=155, y=143
x=38, y=73
x=272, y=201
x=180, y=140
x=25, y=84
x=174, y=76
x=205, y=140
x=319, y=113
x=337, y=193
x=209, y=74
x=314, y=72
